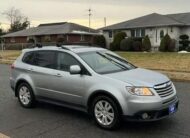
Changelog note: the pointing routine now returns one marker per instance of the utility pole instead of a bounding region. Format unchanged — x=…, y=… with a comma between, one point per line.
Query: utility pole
x=105, y=24
x=89, y=17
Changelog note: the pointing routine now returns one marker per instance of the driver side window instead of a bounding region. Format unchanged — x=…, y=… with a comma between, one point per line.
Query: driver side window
x=64, y=61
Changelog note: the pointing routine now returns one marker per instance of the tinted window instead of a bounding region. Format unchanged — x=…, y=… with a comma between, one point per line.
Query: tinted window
x=64, y=61
x=45, y=59
x=29, y=58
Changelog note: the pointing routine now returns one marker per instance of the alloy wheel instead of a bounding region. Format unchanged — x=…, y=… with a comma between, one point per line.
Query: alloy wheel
x=104, y=112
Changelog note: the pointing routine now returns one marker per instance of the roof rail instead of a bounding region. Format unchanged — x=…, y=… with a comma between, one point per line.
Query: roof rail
x=65, y=48
x=39, y=45
x=62, y=46
x=58, y=44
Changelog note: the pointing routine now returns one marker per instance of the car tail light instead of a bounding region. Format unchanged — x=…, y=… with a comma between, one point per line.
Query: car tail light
x=12, y=66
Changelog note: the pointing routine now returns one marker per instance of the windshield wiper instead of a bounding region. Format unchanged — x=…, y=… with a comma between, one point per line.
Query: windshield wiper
x=112, y=60
x=120, y=59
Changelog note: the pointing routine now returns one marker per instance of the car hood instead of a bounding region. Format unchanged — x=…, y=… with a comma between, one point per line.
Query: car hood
x=140, y=77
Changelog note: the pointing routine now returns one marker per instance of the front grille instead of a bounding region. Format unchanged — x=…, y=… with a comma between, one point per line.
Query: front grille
x=164, y=89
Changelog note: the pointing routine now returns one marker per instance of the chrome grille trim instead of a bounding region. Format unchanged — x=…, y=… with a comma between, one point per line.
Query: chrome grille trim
x=164, y=89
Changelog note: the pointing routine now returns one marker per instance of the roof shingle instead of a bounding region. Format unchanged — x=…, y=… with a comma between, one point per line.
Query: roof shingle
x=152, y=20
x=45, y=29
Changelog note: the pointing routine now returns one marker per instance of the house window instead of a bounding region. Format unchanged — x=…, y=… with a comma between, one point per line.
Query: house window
x=82, y=38
x=12, y=40
x=133, y=33
x=142, y=32
x=110, y=33
x=138, y=33
x=161, y=34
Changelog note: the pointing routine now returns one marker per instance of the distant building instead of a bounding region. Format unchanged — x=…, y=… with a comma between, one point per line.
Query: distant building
x=154, y=25
x=52, y=33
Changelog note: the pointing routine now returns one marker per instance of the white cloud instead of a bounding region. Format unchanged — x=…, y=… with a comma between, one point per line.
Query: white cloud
x=41, y=11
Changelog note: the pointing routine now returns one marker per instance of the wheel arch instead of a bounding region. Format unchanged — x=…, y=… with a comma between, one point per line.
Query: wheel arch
x=20, y=82
x=105, y=93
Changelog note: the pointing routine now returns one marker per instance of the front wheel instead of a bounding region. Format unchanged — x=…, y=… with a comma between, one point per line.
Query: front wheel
x=106, y=113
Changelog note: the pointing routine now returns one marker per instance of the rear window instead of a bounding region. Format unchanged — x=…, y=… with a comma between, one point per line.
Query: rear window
x=29, y=58
x=45, y=59
x=41, y=58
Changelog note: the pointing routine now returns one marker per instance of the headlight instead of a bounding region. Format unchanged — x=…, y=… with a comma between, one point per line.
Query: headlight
x=140, y=91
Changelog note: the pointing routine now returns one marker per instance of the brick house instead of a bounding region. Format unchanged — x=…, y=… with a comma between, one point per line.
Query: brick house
x=51, y=33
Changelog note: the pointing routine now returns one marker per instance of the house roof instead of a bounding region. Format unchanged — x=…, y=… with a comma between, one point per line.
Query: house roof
x=53, y=28
x=153, y=20
x=181, y=17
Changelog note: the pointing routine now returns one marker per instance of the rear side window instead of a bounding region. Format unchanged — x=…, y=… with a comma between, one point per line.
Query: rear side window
x=45, y=59
x=29, y=58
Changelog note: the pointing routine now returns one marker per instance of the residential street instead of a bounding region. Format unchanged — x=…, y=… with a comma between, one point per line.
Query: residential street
x=53, y=121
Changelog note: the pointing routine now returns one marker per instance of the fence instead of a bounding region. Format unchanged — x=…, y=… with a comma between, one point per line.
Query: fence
x=20, y=46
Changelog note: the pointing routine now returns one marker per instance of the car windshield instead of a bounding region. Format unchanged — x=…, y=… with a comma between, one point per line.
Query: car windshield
x=104, y=62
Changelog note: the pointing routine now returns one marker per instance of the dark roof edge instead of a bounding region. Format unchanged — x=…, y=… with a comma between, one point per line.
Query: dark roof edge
x=178, y=25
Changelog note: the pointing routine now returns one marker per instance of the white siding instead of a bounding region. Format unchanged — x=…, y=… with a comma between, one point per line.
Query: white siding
x=155, y=38
x=185, y=30
x=154, y=34
x=108, y=39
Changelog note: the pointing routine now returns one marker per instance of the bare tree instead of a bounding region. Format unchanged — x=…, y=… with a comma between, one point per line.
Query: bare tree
x=17, y=20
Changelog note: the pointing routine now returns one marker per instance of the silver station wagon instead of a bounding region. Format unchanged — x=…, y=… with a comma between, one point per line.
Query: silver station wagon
x=93, y=80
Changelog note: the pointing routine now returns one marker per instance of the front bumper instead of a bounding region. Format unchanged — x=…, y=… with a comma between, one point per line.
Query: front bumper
x=153, y=115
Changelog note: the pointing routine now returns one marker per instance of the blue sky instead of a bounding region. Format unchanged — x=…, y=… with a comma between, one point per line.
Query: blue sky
x=43, y=11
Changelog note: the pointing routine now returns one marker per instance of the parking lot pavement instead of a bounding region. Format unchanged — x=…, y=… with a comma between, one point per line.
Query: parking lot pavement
x=53, y=121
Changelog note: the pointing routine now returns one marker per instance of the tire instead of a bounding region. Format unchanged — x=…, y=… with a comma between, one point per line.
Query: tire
x=109, y=116
x=25, y=95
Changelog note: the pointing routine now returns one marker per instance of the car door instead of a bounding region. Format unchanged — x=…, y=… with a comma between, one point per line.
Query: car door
x=42, y=71
x=68, y=88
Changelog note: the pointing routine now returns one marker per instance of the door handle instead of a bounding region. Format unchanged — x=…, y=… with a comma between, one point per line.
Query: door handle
x=58, y=75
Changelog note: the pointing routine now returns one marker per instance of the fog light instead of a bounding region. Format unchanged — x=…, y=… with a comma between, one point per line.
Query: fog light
x=145, y=116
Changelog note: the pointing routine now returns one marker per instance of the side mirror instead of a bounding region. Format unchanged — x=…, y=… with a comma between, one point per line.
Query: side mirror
x=75, y=69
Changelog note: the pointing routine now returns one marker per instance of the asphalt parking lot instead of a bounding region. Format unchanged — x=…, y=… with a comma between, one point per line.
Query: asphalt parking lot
x=53, y=121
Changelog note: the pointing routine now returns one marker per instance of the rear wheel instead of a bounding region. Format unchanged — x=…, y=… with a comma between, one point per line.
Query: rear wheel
x=25, y=95
x=105, y=112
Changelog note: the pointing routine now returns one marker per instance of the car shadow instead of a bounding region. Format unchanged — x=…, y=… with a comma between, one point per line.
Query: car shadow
x=126, y=126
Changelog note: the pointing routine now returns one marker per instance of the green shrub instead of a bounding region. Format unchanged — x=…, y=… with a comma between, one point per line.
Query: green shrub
x=100, y=41
x=184, y=41
x=165, y=42
x=113, y=47
x=117, y=40
x=188, y=49
x=31, y=41
x=146, y=44
x=137, y=46
x=127, y=44
x=184, y=37
x=172, y=45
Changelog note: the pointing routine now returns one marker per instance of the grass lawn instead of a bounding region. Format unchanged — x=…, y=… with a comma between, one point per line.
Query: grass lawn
x=176, y=66
x=159, y=61
x=8, y=56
